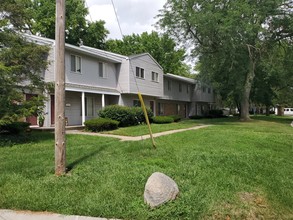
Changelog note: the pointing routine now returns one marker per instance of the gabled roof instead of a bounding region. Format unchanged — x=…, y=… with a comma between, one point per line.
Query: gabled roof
x=181, y=78
x=105, y=55
x=145, y=54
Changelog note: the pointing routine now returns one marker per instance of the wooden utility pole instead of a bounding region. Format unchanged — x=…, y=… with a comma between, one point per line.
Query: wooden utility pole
x=60, y=141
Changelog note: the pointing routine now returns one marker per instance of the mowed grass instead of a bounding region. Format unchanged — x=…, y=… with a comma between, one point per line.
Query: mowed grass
x=230, y=170
x=140, y=130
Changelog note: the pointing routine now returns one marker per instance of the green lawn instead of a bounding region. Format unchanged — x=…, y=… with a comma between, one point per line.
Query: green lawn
x=140, y=130
x=235, y=169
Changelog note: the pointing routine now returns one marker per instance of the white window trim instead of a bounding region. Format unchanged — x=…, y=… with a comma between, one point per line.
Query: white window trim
x=75, y=71
x=140, y=73
x=105, y=75
x=155, y=75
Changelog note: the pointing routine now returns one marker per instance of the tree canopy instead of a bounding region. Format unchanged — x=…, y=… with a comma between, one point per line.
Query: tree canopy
x=230, y=39
x=161, y=47
x=78, y=29
x=21, y=65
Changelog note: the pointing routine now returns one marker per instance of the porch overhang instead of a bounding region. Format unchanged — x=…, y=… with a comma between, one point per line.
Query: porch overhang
x=90, y=89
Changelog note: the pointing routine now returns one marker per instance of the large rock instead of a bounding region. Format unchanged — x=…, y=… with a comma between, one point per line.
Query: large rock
x=159, y=189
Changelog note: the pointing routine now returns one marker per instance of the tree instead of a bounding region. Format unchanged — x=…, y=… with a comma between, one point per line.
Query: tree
x=229, y=38
x=21, y=65
x=78, y=30
x=162, y=48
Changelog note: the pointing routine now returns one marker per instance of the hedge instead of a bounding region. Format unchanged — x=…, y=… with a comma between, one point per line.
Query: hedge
x=100, y=124
x=14, y=127
x=162, y=119
x=176, y=118
x=126, y=116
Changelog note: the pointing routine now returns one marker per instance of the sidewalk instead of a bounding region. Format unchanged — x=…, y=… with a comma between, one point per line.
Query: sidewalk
x=136, y=138
x=28, y=215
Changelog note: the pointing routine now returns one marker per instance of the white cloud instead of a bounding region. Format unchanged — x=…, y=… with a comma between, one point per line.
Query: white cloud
x=135, y=16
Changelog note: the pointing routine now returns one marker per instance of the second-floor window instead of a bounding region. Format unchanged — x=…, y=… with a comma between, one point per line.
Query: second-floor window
x=169, y=85
x=155, y=77
x=203, y=89
x=209, y=90
x=180, y=87
x=187, y=89
x=101, y=69
x=75, y=63
x=139, y=72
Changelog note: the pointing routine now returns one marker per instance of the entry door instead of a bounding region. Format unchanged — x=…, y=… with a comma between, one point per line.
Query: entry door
x=152, y=106
x=32, y=119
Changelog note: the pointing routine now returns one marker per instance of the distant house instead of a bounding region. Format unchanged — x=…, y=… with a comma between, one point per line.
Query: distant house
x=97, y=78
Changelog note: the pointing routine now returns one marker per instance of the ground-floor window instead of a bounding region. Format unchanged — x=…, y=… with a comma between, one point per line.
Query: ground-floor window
x=136, y=103
x=89, y=106
x=161, y=108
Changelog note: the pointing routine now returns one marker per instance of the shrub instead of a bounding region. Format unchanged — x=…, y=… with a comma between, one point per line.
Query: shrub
x=101, y=124
x=176, y=118
x=195, y=117
x=216, y=113
x=162, y=119
x=126, y=116
x=14, y=127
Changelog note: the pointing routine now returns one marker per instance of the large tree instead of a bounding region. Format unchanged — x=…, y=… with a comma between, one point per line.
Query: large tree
x=229, y=38
x=78, y=29
x=161, y=47
x=21, y=65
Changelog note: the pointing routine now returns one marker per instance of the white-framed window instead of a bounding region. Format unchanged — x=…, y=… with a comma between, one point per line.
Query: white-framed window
x=180, y=87
x=102, y=70
x=139, y=73
x=187, y=89
x=75, y=63
x=155, y=77
x=161, y=108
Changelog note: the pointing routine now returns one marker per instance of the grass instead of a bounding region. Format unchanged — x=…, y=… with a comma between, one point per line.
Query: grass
x=232, y=170
x=140, y=130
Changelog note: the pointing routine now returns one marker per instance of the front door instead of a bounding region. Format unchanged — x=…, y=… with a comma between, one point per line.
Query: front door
x=32, y=119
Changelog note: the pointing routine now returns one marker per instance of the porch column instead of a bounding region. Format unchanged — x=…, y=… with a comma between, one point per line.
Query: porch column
x=82, y=108
x=103, y=100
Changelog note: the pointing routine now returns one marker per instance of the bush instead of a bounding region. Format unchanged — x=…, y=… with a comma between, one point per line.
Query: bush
x=195, y=117
x=101, y=124
x=126, y=116
x=176, y=118
x=216, y=113
x=14, y=127
x=163, y=119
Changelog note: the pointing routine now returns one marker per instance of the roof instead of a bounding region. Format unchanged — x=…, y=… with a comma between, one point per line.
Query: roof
x=104, y=55
x=145, y=54
x=181, y=78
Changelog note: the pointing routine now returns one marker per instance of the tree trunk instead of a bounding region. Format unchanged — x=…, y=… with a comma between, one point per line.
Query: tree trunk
x=267, y=110
x=244, y=114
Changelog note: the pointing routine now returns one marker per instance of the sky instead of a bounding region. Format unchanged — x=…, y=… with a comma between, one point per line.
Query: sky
x=135, y=16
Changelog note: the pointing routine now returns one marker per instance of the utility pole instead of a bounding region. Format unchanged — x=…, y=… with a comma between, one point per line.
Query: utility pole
x=60, y=141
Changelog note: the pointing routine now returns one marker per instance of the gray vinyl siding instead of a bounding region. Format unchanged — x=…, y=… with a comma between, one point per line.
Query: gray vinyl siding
x=145, y=86
x=174, y=93
x=49, y=73
x=123, y=76
x=89, y=74
x=200, y=96
x=127, y=100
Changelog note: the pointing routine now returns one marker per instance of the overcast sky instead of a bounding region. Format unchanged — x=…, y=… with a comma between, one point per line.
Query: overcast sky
x=135, y=16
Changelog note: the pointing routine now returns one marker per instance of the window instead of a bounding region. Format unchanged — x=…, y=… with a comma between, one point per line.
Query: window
x=101, y=69
x=136, y=103
x=155, y=77
x=89, y=106
x=161, y=108
x=169, y=85
x=178, y=109
x=209, y=90
x=180, y=87
x=139, y=72
x=203, y=89
x=187, y=88
x=75, y=64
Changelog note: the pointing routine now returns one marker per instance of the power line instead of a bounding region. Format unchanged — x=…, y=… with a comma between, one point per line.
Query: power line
x=114, y=8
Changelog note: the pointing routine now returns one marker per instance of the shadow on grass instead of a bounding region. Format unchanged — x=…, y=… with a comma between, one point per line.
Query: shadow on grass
x=10, y=140
x=84, y=158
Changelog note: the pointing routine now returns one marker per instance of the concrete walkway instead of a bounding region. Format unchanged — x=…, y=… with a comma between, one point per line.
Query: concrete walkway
x=28, y=215
x=136, y=138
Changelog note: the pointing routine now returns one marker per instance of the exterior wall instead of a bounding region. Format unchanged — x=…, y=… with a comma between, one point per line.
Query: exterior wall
x=168, y=107
x=127, y=100
x=146, y=86
x=123, y=76
x=49, y=73
x=201, y=94
x=173, y=92
x=89, y=72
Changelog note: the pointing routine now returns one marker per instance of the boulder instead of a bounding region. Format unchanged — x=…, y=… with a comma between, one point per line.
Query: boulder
x=159, y=189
